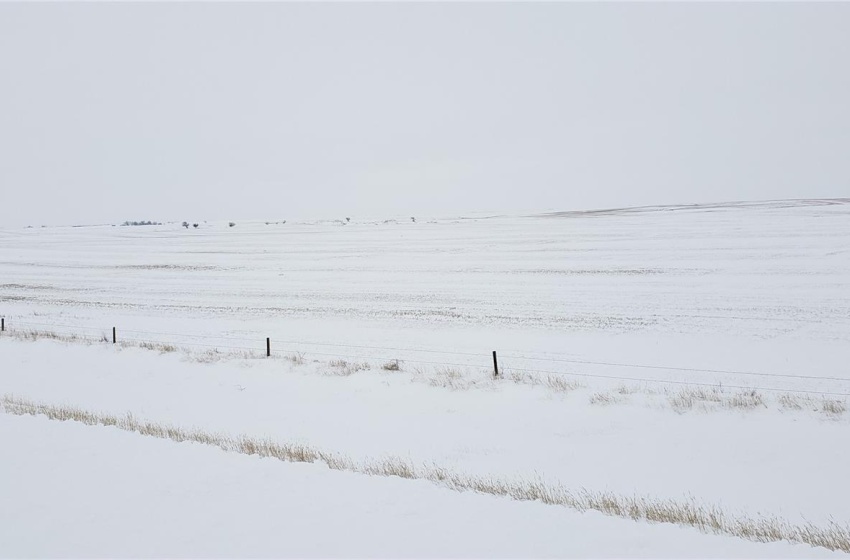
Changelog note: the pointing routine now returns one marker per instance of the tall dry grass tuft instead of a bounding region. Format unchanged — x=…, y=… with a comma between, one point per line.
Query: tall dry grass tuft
x=746, y=400
x=342, y=367
x=158, y=346
x=685, y=399
x=297, y=358
x=831, y=408
x=793, y=402
x=31, y=335
x=606, y=398
x=556, y=383
x=392, y=365
x=451, y=378
x=706, y=518
x=214, y=355
x=688, y=398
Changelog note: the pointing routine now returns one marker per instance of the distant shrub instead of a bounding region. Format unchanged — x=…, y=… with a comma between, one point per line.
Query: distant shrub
x=195, y=225
x=231, y=224
x=185, y=225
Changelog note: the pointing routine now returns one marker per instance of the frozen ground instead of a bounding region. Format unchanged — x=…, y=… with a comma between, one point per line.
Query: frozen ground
x=759, y=294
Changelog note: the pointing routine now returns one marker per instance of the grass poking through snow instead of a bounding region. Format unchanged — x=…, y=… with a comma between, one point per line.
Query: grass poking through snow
x=392, y=365
x=342, y=367
x=683, y=400
x=706, y=518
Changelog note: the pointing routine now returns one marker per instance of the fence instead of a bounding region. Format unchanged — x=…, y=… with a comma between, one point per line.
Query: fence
x=291, y=347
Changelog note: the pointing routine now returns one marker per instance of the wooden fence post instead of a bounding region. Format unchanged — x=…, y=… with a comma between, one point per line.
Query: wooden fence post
x=114, y=338
x=268, y=347
x=495, y=365
x=2, y=324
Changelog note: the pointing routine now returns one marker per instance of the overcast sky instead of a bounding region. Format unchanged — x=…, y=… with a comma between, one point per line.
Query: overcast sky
x=111, y=112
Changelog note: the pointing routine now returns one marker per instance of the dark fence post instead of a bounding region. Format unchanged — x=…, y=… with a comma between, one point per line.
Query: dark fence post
x=114, y=338
x=2, y=324
x=495, y=365
x=268, y=347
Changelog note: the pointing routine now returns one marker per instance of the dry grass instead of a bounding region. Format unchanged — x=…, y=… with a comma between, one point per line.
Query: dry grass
x=201, y=356
x=297, y=358
x=706, y=518
x=560, y=384
x=214, y=355
x=556, y=383
x=455, y=379
x=746, y=400
x=210, y=356
x=627, y=389
x=341, y=367
x=685, y=399
x=31, y=335
x=792, y=402
x=392, y=365
x=605, y=398
x=688, y=398
x=158, y=346
x=832, y=408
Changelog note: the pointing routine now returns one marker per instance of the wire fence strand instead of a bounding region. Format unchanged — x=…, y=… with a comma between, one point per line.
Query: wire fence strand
x=484, y=357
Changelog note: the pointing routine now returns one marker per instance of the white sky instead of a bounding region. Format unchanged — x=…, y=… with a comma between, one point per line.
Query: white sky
x=111, y=112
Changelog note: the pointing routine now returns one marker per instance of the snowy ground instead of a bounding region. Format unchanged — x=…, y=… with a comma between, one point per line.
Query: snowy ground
x=105, y=493
x=757, y=293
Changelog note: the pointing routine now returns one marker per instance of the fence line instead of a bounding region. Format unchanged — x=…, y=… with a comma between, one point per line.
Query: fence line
x=289, y=350
x=670, y=368
x=451, y=352
x=455, y=353
x=485, y=359
x=688, y=383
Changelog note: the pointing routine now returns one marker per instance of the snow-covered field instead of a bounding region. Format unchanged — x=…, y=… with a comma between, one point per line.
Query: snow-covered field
x=674, y=353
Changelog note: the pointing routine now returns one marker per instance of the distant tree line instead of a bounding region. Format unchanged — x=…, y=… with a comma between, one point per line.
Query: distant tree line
x=142, y=223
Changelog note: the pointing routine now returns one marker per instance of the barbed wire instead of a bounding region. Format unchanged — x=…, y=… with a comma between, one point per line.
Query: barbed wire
x=672, y=368
x=54, y=325
x=292, y=351
x=685, y=383
x=505, y=367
